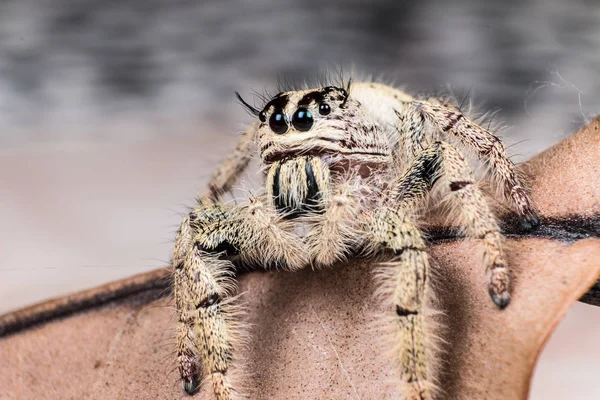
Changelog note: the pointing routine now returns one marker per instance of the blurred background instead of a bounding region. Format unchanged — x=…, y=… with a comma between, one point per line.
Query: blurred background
x=113, y=114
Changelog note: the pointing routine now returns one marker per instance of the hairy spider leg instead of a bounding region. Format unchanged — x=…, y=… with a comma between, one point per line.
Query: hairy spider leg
x=227, y=172
x=204, y=285
x=413, y=120
x=403, y=284
x=489, y=148
x=441, y=161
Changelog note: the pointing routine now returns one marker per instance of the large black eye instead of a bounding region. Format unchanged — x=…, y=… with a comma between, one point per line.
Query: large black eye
x=324, y=109
x=302, y=120
x=277, y=122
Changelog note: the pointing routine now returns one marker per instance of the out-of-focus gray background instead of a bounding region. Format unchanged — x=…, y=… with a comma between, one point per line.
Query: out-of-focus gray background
x=113, y=114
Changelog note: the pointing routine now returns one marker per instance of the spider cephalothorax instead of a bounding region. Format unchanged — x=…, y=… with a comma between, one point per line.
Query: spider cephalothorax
x=307, y=136
x=352, y=165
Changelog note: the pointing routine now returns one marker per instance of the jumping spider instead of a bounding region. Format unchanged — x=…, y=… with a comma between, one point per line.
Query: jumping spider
x=351, y=165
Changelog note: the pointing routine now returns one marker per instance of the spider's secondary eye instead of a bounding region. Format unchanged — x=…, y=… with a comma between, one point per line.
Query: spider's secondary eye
x=302, y=120
x=324, y=109
x=277, y=122
x=262, y=116
x=344, y=92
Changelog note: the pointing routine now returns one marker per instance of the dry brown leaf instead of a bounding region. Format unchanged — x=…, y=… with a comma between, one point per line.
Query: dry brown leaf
x=312, y=334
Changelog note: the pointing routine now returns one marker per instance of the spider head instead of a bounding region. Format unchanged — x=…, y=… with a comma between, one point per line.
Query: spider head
x=325, y=122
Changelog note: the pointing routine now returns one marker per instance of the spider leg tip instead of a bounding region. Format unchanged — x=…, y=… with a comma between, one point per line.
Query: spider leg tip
x=191, y=385
x=530, y=221
x=502, y=300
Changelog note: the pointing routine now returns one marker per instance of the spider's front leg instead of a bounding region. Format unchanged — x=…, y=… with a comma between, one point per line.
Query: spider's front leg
x=404, y=284
x=444, y=165
x=204, y=284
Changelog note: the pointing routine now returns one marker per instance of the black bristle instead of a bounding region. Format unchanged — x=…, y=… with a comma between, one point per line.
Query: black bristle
x=251, y=109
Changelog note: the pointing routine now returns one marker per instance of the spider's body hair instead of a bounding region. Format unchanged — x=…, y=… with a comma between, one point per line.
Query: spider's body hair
x=353, y=166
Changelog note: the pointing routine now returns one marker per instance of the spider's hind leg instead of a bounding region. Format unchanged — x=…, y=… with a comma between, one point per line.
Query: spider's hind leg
x=230, y=168
x=204, y=286
x=404, y=283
